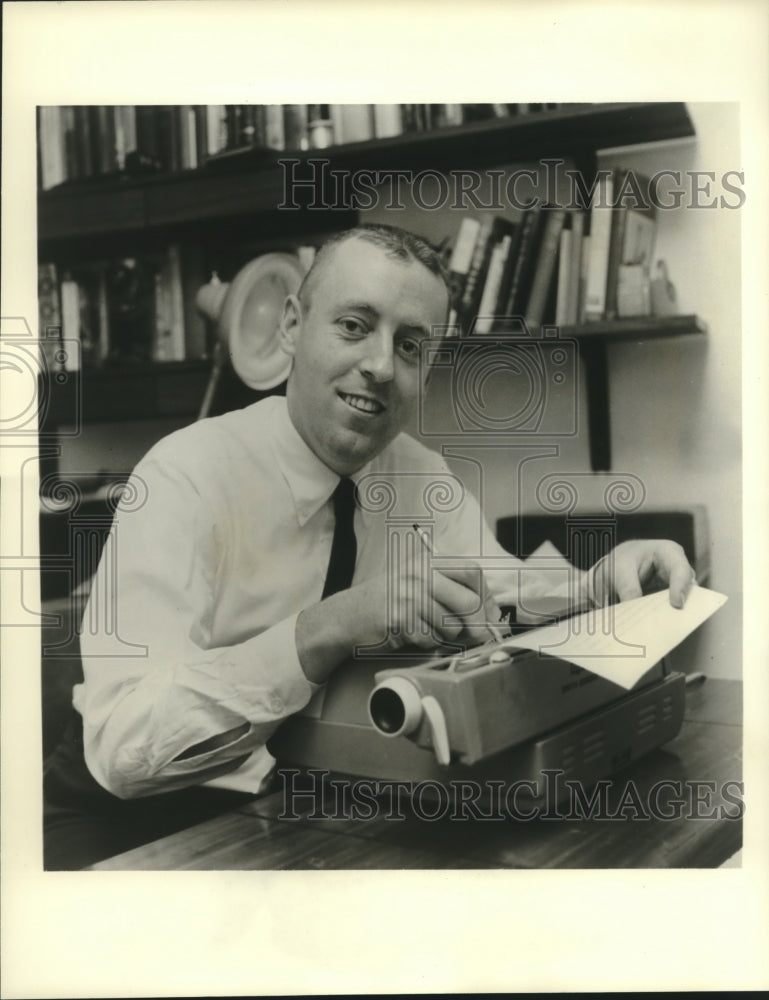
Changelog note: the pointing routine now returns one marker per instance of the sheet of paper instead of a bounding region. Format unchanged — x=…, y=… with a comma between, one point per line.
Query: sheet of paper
x=625, y=640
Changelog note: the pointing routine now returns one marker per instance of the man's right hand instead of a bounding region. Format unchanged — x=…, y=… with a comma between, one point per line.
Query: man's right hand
x=420, y=606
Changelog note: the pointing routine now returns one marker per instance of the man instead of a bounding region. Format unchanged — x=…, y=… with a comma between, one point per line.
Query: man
x=223, y=574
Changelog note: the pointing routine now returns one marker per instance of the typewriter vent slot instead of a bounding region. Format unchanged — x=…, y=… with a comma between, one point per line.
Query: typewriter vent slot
x=592, y=747
x=568, y=757
x=646, y=719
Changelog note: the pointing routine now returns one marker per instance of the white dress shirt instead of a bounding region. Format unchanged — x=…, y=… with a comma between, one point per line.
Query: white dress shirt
x=222, y=538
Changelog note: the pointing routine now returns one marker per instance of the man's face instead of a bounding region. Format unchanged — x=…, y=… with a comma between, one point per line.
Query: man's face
x=355, y=381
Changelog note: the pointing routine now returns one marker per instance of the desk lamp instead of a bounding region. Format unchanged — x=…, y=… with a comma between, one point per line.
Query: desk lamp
x=246, y=313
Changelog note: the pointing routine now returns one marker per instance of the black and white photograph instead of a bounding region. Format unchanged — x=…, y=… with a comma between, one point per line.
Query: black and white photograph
x=375, y=480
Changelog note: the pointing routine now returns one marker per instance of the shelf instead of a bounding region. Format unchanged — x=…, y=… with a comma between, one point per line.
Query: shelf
x=250, y=184
x=174, y=389
x=635, y=328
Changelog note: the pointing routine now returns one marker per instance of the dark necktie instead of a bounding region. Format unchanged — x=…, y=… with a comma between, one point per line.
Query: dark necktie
x=343, y=547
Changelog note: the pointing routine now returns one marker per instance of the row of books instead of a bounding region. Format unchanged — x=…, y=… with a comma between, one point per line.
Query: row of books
x=555, y=265
x=126, y=311
x=79, y=142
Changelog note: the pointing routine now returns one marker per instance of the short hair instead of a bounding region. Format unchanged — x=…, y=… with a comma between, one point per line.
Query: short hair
x=395, y=242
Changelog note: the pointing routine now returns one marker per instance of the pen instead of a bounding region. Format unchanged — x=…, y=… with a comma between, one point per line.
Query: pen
x=496, y=633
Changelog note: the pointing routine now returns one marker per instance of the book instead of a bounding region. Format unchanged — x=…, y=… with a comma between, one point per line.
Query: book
x=274, y=127
x=633, y=232
x=564, y=275
x=295, y=126
x=575, y=270
x=82, y=315
x=507, y=274
x=583, y=266
x=352, y=122
x=53, y=169
x=544, y=268
x=49, y=331
x=487, y=308
x=193, y=275
x=600, y=242
x=388, y=120
x=83, y=141
x=474, y=270
x=168, y=341
x=188, y=137
x=459, y=263
x=517, y=297
x=72, y=168
x=216, y=129
x=125, y=134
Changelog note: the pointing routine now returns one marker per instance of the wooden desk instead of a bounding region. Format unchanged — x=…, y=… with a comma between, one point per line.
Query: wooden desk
x=708, y=749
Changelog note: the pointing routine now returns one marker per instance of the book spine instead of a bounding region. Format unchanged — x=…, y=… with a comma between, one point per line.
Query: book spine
x=388, y=120
x=83, y=140
x=216, y=132
x=72, y=168
x=459, y=263
x=174, y=272
x=188, y=137
x=543, y=272
x=193, y=275
x=600, y=240
x=357, y=122
x=474, y=273
x=490, y=294
x=564, y=274
x=616, y=241
x=453, y=115
x=125, y=134
x=52, y=157
x=70, y=321
x=147, y=136
x=584, y=265
x=103, y=347
x=275, y=134
x=49, y=315
x=295, y=126
x=575, y=271
x=106, y=139
x=516, y=299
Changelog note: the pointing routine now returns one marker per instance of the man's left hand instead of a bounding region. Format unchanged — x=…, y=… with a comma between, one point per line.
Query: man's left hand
x=638, y=567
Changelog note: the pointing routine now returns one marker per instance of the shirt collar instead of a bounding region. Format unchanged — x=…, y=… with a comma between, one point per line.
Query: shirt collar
x=310, y=481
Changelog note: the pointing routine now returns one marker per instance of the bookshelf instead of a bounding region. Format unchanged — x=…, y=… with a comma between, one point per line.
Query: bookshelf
x=236, y=194
x=250, y=182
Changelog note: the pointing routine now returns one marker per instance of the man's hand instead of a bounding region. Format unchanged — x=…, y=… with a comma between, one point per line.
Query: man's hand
x=417, y=606
x=638, y=567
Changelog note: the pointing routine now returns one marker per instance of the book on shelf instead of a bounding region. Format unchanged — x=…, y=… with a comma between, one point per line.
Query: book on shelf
x=601, y=215
x=388, y=120
x=634, y=230
x=77, y=142
x=352, y=122
x=129, y=310
x=525, y=262
x=565, y=261
x=486, y=317
x=473, y=287
x=545, y=266
x=459, y=264
x=84, y=314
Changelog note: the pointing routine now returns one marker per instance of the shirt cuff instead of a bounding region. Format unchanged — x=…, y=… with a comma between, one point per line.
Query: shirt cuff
x=268, y=676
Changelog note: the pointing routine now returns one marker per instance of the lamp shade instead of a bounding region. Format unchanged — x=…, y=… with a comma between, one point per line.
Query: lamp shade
x=247, y=315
